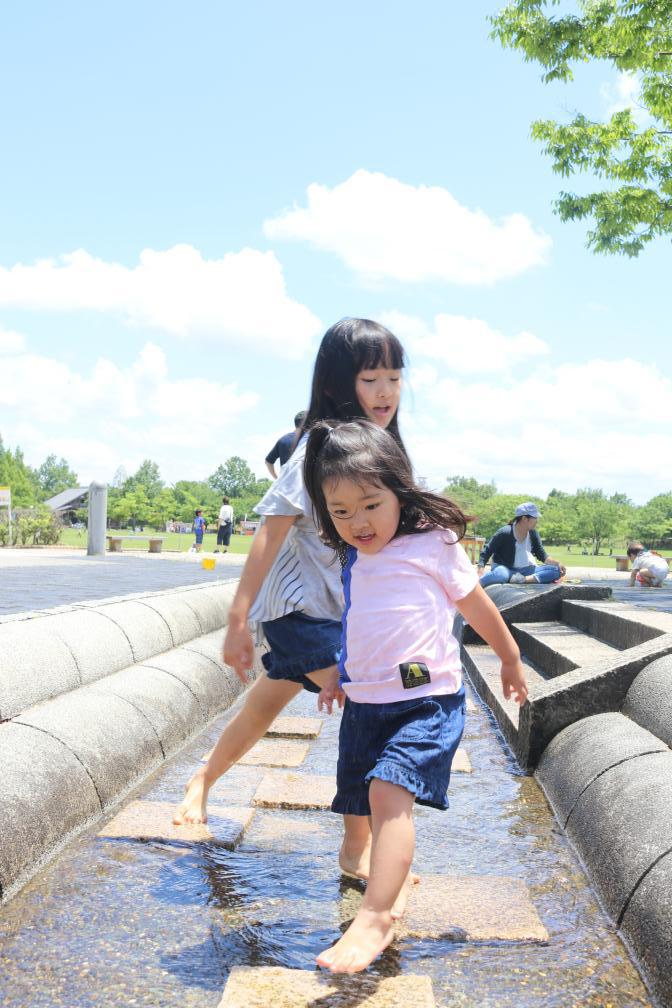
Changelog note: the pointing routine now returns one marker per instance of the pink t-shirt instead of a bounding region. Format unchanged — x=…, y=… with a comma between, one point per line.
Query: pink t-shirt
x=397, y=625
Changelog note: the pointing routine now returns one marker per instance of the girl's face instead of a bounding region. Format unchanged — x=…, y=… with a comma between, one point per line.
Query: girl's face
x=365, y=516
x=378, y=392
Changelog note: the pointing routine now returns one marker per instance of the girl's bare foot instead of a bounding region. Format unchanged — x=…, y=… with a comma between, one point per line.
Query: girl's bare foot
x=369, y=934
x=193, y=808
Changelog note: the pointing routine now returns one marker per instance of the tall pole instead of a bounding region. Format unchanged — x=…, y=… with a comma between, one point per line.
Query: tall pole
x=97, y=519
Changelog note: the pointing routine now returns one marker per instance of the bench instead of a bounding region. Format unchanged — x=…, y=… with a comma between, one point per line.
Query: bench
x=622, y=563
x=114, y=542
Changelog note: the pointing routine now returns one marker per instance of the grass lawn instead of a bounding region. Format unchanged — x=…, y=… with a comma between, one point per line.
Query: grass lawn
x=173, y=542
x=577, y=559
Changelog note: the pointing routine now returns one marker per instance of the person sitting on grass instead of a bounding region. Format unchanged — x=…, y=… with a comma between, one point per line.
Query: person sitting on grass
x=649, y=569
x=513, y=549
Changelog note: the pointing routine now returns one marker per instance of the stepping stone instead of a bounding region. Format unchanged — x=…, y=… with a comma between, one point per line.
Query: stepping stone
x=296, y=727
x=271, y=752
x=276, y=752
x=146, y=820
x=248, y=987
x=284, y=833
x=295, y=791
x=471, y=706
x=472, y=908
x=461, y=762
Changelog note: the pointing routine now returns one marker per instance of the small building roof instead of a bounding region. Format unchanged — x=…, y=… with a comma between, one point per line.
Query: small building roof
x=67, y=499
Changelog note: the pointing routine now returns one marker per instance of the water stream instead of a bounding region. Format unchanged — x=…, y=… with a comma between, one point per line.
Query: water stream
x=117, y=923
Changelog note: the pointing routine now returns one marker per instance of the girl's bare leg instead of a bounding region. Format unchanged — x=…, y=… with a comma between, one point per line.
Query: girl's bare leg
x=263, y=702
x=354, y=856
x=372, y=930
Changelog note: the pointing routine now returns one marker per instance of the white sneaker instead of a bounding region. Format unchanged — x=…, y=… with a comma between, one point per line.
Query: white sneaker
x=517, y=578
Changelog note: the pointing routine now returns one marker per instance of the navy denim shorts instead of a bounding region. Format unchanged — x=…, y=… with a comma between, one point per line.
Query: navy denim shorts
x=411, y=743
x=300, y=644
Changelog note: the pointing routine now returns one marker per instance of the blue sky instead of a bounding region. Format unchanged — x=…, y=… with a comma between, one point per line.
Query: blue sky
x=191, y=194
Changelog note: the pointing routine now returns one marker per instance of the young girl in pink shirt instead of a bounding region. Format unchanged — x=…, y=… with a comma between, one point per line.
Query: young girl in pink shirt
x=404, y=575
x=290, y=588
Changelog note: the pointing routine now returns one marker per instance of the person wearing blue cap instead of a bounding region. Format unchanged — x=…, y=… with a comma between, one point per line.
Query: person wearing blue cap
x=514, y=549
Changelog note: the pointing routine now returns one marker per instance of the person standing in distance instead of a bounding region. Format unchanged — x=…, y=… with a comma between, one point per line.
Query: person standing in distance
x=224, y=525
x=284, y=446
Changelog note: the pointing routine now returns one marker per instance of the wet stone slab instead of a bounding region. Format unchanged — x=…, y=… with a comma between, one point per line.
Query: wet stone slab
x=147, y=820
x=295, y=791
x=472, y=908
x=285, y=834
x=284, y=988
x=296, y=727
x=273, y=753
x=461, y=762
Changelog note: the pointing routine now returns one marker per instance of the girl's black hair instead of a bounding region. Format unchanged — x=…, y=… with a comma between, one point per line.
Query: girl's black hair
x=365, y=453
x=348, y=347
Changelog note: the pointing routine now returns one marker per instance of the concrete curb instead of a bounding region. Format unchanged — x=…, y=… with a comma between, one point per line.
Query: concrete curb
x=609, y=782
x=95, y=699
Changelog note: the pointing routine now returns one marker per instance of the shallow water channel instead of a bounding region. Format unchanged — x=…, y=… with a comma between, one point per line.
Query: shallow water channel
x=116, y=922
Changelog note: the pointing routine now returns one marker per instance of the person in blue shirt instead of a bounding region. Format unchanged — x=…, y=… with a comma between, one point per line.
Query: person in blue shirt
x=199, y=529
x=284, y=446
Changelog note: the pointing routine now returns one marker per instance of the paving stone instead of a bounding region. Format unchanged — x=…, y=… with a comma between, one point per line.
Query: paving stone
x=283, y=833
x=248, y=987
x=146, y=820
x=296, y=727
x=461, y=762
x=268, y=752
x=471, y=706
x=472, y=908
x=271, y=752
x=288, y=790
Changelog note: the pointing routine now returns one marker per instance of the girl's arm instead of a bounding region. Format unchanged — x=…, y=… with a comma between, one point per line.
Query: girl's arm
x=238, y=648
x=484, y=617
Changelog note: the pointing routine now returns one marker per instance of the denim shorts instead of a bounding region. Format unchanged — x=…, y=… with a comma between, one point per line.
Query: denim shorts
x=411, y=743
x=300, y=644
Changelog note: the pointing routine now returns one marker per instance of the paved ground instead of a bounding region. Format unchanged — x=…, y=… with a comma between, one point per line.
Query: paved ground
x=41, y=579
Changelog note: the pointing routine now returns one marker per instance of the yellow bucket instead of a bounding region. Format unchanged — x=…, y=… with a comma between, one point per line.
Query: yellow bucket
x=208, y=563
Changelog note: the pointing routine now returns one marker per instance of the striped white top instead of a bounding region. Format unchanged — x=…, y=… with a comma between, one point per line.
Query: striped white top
x=306, y=574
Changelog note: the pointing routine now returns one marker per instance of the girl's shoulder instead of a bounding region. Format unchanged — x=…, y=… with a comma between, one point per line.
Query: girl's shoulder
x=427, y=543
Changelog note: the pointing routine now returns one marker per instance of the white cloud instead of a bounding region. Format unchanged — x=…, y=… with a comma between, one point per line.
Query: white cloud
x=240, y=299
x=601, y=423
x=11, y=342
x=624, y=93
x=468, y=345
x=117, y=416
x=385, y=229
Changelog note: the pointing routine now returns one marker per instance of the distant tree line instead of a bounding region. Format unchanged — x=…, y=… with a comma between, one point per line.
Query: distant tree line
x=588, y=516
x=144, y=498
x=140, y=499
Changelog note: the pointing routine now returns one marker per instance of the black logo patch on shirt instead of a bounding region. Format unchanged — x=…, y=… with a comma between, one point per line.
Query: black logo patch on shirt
x=413, y=674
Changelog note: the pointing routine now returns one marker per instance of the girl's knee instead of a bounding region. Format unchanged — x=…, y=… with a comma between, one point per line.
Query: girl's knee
x=384, y=796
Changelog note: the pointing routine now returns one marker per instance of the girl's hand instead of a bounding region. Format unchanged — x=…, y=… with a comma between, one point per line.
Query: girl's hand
x=329, y=693
x=238, y=649
x=513, y=681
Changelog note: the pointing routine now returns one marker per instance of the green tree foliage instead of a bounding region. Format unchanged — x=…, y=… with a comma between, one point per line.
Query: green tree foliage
x=468, y=492
x=233, y=478
x=15, y=474
x=652, y=523
x=148, y=477
x=634, y=161
x=598, y=519
x=53, y=476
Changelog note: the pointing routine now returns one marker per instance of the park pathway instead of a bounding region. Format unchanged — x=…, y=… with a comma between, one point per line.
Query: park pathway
x=144, y=914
